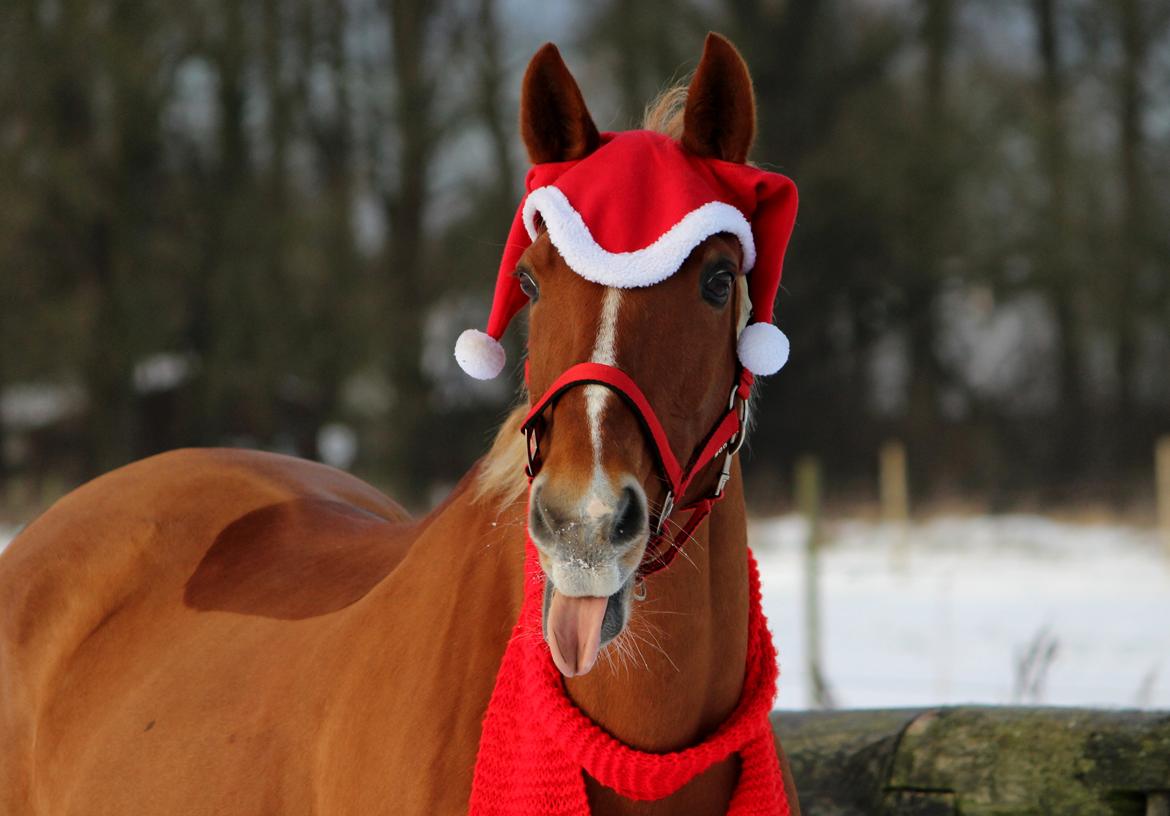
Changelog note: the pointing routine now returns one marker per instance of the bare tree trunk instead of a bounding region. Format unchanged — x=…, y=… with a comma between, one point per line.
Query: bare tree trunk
x=116, y=234
x=492, y=107
x=335, y=148
x=410, y=290
x=1139, y=25
x=219, y=319
x=931, y=198
x=1057, y=265
x=1131, y=145
x=780, y=41
x=279, y=103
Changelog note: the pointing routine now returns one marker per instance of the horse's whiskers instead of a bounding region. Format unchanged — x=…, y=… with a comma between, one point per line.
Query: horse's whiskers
x=652, y=641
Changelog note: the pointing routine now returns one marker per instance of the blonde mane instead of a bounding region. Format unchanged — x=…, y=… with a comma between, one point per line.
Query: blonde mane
x=501, y=473
x=666, y=112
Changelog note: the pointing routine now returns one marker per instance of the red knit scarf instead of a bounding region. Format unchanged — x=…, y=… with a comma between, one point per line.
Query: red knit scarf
x=536, y=742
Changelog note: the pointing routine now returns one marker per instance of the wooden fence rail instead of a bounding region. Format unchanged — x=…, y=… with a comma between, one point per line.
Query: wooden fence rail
x=975, y=761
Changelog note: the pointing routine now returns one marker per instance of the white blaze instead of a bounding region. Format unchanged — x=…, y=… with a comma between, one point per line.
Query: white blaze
x=604, y=351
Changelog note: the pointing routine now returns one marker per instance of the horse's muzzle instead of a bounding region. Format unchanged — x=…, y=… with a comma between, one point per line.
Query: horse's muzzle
x=590, y=546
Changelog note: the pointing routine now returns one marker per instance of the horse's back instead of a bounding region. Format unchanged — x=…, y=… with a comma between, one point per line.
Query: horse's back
x=177, y=518
x=120, y=565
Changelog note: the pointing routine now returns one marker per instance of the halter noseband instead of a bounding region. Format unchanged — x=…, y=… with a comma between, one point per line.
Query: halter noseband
x=726, y=436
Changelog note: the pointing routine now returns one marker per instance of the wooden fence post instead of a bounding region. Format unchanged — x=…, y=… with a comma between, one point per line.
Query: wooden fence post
x=808, y=497
x=1162, y=487
x=894, y=490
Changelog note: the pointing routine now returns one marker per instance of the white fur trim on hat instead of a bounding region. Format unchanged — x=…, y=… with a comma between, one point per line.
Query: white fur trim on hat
x=642, y=267
x=763, y=349
x=479, y=354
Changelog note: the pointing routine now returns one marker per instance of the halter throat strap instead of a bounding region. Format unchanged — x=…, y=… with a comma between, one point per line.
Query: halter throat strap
x=725, y=437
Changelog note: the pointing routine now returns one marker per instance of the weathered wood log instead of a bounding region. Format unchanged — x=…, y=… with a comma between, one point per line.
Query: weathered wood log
x=979, y=761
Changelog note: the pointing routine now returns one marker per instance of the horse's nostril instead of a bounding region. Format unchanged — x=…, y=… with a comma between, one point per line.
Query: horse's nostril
x=540, y=520
x=629, y=519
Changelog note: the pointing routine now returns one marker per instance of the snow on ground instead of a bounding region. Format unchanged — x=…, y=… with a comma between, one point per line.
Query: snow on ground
x=947, y=623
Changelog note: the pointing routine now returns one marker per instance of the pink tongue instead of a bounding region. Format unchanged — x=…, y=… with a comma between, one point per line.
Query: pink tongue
x=574, y=632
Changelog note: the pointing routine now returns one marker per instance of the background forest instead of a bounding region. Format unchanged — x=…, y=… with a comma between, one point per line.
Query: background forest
x=264, y=222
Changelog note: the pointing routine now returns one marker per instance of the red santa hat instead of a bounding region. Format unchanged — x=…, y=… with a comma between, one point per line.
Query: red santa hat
x=628, y=215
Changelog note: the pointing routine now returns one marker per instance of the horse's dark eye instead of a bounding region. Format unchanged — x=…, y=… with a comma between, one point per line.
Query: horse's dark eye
x=528, y=285
x=716, y=283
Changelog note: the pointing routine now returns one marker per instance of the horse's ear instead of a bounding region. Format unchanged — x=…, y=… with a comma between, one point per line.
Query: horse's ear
x=554, y=121
x=720, y=118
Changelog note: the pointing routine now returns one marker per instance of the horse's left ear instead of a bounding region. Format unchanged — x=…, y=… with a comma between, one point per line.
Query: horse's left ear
x=720, y=118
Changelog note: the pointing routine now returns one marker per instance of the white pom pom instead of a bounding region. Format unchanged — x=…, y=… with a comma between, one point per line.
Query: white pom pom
x=763, y=349
x=479, y=354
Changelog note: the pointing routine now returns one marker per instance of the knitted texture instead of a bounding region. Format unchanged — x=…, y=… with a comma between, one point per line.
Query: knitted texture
x=536, y=742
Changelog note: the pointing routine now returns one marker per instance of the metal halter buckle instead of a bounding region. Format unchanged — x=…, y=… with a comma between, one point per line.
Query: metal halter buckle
x=736, y=442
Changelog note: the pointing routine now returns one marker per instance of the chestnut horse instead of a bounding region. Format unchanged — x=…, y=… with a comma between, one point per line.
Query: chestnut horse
x=231, y=632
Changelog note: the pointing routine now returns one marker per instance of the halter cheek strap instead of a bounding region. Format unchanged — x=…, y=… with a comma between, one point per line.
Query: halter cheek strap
x=726, y=437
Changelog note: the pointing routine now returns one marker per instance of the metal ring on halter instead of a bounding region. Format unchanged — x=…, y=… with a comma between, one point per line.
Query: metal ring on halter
x=664, y=513
x=532, y=438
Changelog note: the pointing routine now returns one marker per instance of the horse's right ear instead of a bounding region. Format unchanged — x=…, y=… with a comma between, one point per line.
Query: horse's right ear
x=720, y=117
x=554, y=121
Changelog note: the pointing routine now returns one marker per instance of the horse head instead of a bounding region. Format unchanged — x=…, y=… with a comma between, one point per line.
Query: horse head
x=635, y=276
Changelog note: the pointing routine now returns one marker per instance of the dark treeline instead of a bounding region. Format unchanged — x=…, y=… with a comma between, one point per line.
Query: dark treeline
x=263, y=223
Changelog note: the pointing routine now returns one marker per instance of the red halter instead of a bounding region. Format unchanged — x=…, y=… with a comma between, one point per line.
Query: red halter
x=726, y=436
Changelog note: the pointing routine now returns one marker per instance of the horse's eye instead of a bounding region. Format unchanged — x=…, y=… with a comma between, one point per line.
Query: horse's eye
x=528, y=284
x=715, y=284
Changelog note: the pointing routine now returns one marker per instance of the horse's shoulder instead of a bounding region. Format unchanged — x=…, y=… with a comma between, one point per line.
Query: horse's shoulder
x=299, y=558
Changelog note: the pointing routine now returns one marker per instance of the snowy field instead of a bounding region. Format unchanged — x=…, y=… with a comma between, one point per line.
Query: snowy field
x=951, y=621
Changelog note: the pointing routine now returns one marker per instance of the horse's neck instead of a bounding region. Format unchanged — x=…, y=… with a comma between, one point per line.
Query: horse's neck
x=677, y=671
x=672, y=678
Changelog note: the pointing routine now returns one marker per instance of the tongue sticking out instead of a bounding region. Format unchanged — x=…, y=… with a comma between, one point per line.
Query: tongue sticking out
x=574, y=632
